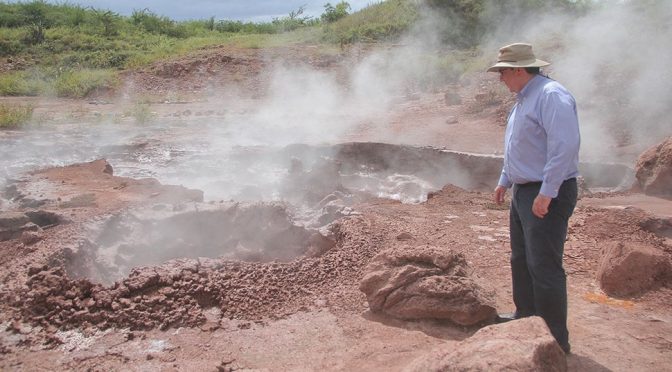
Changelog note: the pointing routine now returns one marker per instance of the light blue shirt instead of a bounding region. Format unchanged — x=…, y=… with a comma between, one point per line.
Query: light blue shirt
x=542, y=137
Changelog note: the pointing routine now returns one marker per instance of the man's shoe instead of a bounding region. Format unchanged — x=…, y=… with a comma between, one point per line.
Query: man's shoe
x=566, y=348
x=503, y=318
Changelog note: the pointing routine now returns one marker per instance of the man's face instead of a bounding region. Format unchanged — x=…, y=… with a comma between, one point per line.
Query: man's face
x=506, y=76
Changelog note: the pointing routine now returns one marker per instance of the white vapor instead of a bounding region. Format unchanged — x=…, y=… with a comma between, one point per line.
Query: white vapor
x=615, y=60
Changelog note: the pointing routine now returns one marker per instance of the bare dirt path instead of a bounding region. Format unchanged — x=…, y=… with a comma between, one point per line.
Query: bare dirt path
x=327, y=325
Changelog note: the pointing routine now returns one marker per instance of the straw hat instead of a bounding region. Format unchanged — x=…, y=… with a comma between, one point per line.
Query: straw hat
x=516, y=55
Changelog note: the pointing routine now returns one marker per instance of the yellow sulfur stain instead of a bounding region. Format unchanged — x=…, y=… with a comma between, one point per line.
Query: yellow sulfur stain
x=605, y=300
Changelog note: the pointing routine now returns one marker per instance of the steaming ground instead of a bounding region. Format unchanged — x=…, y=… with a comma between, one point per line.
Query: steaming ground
x=307, y=312
x=250, y=128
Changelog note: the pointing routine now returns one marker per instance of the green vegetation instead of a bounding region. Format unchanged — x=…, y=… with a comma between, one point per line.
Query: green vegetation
x=382, y=21
x=141, y=113
x=70, y=51
x=49, y=81
x=334, y=13
x=468, y=21
x=14, y=116
x=79, y=83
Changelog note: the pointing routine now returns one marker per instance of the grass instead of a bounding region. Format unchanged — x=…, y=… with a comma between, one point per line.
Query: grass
x=75, y=83
x=83, y=49
x=80, y=50
x=381, y=21
x=141, y=113
x=15, y=116
x=79, y=83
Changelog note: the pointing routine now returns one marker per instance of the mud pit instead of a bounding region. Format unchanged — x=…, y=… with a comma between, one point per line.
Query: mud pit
x=135, y=256
x=314, y=187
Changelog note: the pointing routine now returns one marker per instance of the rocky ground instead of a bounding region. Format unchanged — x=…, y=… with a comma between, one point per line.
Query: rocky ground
x=72, y=299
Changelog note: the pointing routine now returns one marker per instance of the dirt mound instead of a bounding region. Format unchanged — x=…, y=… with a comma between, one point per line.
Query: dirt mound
x=241, y=71
x=176, y=293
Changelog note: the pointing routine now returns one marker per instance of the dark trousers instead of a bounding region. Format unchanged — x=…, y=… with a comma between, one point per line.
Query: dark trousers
x=537, y=245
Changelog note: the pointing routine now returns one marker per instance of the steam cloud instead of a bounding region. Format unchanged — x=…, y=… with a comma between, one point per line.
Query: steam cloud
x=615, y=61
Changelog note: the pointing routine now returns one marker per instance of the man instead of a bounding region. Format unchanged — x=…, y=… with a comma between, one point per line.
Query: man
x=541, y=156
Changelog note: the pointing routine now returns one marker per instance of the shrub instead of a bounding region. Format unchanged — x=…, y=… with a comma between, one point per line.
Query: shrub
x=21, y=83
x=110, y=22
x=15, y=116
x=334, y=13
x=102, y=59
x=293, y=21
x=80, y=83
x=141, y=113
x=246, y=28
x=10, y=47
x=382, y=21
x=34, y=15
x=155, y=24
x=470, y=20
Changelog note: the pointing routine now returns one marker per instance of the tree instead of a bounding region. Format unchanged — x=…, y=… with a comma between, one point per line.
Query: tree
x=292, y=21
x=109, y=21
x=35, y=17
x=334, y=13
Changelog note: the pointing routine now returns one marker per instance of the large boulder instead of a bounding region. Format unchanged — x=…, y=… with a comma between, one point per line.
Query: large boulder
x=628, y=269
x=522, y=345
x=654, y=169
x=426, y=283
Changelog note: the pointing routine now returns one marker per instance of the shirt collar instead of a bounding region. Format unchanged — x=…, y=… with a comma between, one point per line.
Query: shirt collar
x=529, y=87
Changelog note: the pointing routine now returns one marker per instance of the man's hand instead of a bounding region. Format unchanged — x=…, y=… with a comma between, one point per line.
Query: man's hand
x=500, y=191
x=540, y=206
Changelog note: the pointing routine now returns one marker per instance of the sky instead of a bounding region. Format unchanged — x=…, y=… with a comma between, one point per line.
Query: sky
x=245, y=10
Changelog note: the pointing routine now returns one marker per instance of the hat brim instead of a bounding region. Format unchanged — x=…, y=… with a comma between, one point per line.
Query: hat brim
x=518, y=64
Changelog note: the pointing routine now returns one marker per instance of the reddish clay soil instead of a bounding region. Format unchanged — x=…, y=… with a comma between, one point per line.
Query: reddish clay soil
x=303, y=314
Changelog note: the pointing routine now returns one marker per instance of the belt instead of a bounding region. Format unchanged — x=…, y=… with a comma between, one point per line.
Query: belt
x=538, y=183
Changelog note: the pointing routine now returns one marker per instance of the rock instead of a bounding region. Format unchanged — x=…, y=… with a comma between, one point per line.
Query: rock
x=108, y=169
x=142, y=279
x=44, y=218
x=80, y=201
x=319, y=244
x=452, y=99
x=14, y=224
x=11, y=192
x=30, y=237
x=521, y=345
x=627, y=270
x=13, y=220
x=660, y=226
x=654, y=169
x=405, y=236
x=26, y=203
x=425, y=283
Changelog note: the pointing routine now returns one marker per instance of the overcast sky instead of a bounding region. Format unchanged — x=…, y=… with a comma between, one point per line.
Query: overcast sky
x=246, y=10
